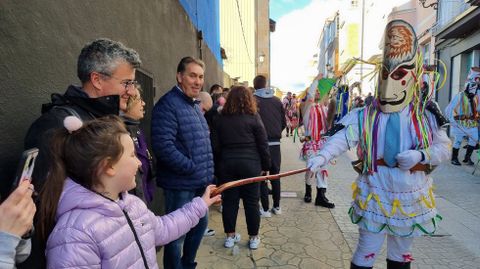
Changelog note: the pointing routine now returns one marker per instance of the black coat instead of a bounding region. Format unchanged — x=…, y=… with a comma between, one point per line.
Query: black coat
x=273, y=116
x=75, y=102
x=241, y=136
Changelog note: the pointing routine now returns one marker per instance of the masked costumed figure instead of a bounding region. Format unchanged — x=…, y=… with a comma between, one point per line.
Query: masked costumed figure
x=463, y=112
x=290, y=107
x=397, y=140
x=315, y=123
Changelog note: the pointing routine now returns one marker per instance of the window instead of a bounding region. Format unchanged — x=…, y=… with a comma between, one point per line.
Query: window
x=426, y=54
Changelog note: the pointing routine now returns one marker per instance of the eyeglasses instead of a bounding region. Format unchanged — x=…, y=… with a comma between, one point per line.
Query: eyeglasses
x=128, y=84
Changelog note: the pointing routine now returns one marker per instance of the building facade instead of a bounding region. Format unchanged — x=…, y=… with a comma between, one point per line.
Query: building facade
x=237, y=38
x=457, y=34
x=262, y=39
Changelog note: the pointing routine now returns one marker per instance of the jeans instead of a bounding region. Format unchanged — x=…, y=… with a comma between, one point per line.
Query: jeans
x=276, y=158
x=172, y=256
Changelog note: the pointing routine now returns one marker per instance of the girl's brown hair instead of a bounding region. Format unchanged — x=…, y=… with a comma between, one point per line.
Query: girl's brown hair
x=240, y=100
x=78, y=155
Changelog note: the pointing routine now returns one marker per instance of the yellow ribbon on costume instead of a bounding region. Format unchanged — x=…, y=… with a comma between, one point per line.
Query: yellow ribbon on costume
x=432, y=199
x=355, y=190
x=395, y=204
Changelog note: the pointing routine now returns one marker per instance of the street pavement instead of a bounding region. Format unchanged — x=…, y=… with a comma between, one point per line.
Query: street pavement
x=308, y=236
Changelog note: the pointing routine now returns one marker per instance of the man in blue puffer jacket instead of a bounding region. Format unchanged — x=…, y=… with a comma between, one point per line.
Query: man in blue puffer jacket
x=181, y=143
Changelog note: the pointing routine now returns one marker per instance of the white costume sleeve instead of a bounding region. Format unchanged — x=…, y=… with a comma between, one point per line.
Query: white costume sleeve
x=441, y=147
x=344, y=139
x=440, y=150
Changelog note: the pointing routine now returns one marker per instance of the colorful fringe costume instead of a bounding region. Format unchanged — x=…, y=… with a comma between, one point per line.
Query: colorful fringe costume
x=315, y=124
x=392, y=197
x=463, y=112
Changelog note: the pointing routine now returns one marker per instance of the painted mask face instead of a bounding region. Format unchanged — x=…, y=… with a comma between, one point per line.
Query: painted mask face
x=472, y=85
x=397, y=78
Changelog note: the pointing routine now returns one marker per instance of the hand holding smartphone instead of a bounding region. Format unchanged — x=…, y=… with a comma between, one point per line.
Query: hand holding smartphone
x=25, y=167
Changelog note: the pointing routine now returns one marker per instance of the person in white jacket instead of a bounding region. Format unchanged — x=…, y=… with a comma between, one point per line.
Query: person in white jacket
x=398, y=141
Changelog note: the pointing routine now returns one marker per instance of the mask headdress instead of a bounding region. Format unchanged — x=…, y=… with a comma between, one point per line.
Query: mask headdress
x=397, y=78
x=472, y=84
x=400, y=84
x=401, y=44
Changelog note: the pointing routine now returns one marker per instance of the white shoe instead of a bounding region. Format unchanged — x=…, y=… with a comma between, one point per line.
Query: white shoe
x=265, y=214
x=209, y=232
x=277, y=210
x=254, y=242
x=231, y=240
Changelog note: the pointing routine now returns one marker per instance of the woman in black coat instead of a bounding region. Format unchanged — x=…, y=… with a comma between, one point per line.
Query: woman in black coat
x=240, y=142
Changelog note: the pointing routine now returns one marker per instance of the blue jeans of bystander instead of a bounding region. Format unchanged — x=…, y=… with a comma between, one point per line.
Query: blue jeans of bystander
x=172, y=256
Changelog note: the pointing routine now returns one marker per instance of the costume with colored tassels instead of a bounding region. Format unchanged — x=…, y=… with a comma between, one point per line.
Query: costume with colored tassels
x=398, y=141
x=464, y=113
x=290, y=105
x=315, y=124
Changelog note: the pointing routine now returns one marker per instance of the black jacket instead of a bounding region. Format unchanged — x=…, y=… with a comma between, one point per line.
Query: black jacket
x=241, y=136
x=75, y=100
x=272, y=113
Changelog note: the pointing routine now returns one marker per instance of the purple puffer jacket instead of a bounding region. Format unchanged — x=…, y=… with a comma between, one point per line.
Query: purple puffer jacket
x=93, y=232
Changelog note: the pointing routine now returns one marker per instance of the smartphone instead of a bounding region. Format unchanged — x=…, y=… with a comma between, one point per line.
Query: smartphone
x=25, y=167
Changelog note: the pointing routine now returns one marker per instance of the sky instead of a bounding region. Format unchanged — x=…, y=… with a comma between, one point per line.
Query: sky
x=278, y=8
x=294, y=42
x=298, y=27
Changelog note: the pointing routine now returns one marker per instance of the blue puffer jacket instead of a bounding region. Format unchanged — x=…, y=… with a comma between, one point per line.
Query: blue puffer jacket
x=181, y=143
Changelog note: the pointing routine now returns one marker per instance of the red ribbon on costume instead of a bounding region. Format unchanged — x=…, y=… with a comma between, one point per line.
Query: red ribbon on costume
x=407, y=258
x=370, y=256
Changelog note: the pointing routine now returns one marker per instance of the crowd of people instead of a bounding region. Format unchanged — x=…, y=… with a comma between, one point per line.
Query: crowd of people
x=96, y=175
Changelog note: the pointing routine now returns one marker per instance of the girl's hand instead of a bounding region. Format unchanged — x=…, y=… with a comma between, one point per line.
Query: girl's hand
x=211, y=200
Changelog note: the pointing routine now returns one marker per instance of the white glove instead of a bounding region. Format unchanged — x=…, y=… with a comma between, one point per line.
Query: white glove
x=315, y=164
x=408, y=159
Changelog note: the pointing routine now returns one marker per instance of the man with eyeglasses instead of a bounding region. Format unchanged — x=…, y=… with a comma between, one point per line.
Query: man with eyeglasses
x=106, y=70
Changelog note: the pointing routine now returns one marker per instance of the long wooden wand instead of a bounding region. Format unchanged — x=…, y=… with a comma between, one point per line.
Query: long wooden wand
x=236, y=183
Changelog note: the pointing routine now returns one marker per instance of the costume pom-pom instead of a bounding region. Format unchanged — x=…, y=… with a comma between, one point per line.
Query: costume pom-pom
x=72, y=123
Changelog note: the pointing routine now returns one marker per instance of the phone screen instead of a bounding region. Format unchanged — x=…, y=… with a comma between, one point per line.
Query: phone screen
x=26, y=166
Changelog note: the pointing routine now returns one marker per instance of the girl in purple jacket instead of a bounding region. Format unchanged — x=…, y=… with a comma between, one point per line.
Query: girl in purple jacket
x=86, y=213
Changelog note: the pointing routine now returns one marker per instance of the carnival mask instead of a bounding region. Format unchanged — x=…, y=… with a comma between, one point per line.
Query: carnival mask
x=397, y=78
x=472, y=85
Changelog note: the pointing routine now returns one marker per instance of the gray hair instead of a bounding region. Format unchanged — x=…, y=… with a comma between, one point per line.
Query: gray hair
x=103, y=56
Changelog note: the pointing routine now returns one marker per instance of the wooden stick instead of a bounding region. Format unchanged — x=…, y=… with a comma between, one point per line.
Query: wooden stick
x=241, y=182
